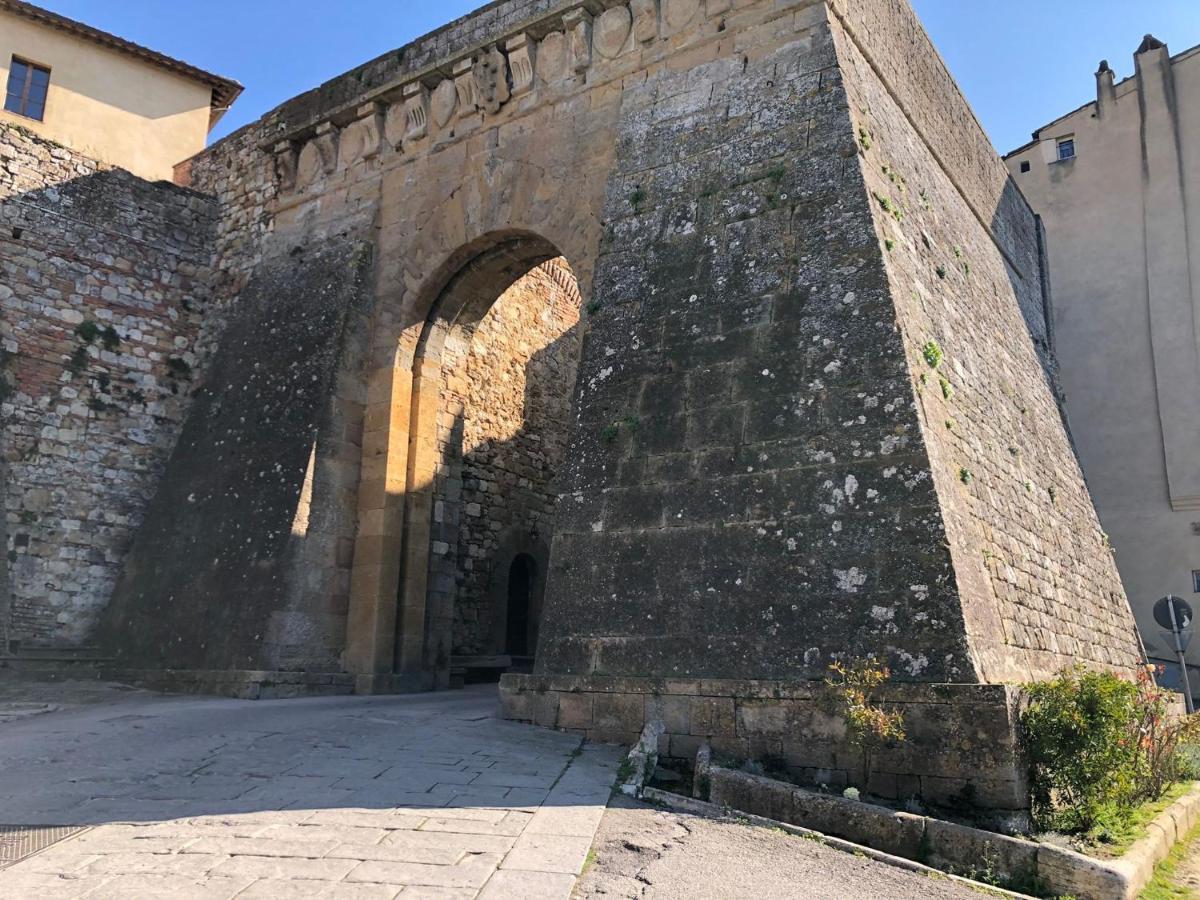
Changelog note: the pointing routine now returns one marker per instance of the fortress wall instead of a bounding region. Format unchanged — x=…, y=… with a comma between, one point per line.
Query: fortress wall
x=104, y=282
x=1038, y=583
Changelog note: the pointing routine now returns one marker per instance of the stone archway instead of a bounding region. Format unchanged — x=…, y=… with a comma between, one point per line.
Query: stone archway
x=408, y=544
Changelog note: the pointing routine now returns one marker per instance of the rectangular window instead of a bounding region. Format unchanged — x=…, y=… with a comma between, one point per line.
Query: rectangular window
x=1025, y=165
x=1196, y=580
x=27, y=85
x=1066, y=148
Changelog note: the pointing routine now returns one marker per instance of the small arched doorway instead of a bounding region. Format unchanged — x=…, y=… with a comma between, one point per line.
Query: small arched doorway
x=521, y=623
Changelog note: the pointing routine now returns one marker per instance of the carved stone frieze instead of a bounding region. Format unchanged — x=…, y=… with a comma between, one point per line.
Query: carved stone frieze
x=521, y=61
x=362, y=138
x=319, y=156
x=578, y=23
x=579, y=45
x=416, y=111
x=552, y=57
x=491, y=80
x=394, y=124
x=645, y=20
x=678, y=14
x=442, y=103
x=285, y=165
x=464, y=86
x=611, y=31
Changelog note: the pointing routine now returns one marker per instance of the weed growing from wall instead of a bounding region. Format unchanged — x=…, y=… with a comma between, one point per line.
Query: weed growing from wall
x=869, y=726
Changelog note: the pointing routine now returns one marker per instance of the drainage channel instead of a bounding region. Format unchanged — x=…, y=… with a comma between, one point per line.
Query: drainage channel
x=18, y=842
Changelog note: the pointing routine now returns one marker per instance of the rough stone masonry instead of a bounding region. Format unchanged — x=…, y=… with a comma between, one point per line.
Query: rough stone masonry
x=814, y=416
x=104, y=280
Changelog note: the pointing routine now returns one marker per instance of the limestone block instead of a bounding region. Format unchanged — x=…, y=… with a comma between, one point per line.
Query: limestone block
x=521, y=61
x=611, y=34
x=575, y=710
x=618, y=712
x=957, y=847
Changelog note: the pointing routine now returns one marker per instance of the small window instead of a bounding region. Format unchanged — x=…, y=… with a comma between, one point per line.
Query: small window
x=1024, y=165
x=27, y=85
x=1196, y=580
x=1066, y=148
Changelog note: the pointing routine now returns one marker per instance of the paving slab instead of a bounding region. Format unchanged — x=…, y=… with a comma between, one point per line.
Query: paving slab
x=426, y=796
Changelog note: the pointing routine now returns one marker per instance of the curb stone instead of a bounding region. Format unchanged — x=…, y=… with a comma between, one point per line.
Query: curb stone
x=1058, y=869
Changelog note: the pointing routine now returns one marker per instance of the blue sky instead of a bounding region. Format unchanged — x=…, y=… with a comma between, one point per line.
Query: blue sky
x=1021, y=63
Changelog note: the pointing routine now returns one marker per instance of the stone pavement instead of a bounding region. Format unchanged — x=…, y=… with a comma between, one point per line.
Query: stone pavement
x=426, y=796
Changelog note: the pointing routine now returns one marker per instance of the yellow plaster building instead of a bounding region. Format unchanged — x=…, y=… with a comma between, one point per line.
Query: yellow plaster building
x=103, y=96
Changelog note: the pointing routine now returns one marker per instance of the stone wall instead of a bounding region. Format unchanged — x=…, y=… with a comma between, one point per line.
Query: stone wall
x=891, y=42
x=774, y=511
x=961, y=749
x=105, y=280
x=753, y=484
x=243, y=561
x=519, y=374
x=1038, y=584
x=240, y=179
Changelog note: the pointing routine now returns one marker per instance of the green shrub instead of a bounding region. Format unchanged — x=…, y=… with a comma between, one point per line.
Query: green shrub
x=1098, y=744
x=1076, y=733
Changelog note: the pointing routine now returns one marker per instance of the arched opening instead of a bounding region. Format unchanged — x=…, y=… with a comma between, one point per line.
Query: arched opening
x=493, y=372
x=521, y=626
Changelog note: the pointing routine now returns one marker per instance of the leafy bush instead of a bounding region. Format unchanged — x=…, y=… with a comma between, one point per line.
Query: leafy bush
x=1166, y=744
x=869, y=726
x=1098, y=744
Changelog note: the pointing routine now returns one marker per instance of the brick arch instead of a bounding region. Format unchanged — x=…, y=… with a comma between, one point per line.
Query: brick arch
x=397, y=638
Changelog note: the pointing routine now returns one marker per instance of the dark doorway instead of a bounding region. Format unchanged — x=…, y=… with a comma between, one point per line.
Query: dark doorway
x=521, y=575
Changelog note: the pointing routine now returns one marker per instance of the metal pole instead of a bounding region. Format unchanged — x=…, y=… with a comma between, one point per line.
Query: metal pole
x=1187, y=687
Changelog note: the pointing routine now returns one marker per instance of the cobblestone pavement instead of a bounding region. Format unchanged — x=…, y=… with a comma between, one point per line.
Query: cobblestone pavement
x=427, y=796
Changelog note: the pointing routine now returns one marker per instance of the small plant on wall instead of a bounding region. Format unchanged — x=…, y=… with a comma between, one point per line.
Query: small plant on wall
x=869, y=726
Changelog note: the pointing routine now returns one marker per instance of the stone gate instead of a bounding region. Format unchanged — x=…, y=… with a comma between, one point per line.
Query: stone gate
x=814, y=416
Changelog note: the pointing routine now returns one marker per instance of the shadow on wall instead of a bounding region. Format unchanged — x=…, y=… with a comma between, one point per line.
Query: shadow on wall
x=245, y=557
x=105, y=280
x=259, y=490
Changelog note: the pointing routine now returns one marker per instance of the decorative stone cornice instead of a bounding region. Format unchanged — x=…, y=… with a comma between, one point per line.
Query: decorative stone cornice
x=427, y=103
